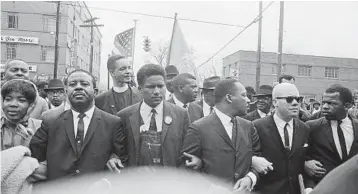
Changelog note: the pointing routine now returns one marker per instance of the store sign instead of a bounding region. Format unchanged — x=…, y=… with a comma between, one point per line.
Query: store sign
x=20, y=39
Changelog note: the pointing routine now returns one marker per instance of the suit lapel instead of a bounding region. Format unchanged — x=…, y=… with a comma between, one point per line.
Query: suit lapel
x=329, y=135
x=134, y=120
x=111, y=102
x=296, y=136
x=171, y=100
x=69, y=128
x=167, y=112
x=355, y=133
x=240, y=132
x=220, y=129
x=93, y=125
x=276, y=135
x=257, y=115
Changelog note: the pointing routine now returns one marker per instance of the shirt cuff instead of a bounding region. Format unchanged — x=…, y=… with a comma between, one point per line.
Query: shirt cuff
x=253, y=178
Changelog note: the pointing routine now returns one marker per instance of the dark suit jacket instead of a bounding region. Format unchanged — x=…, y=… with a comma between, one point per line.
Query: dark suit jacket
x=254, y=115
x=208, y=140
x=342, y=179
x=286, y=166
x=200, y=103
x=53, y=112
x=172, y=133
x=194, y=110
x=55, y=142
x=106, y=102
x=323, y=149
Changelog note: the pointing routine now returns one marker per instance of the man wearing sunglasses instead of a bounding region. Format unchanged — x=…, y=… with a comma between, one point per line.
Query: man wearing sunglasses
x=283, y=138
x=333, y=138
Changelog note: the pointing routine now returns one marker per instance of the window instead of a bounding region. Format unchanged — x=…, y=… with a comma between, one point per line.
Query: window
x=13, y=20
x=48, y=53
x=304, y=70
x=10, y=51
x=49, y=23
x=331, y=72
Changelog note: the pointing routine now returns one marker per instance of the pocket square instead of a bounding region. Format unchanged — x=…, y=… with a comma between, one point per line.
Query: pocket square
x=306, y=145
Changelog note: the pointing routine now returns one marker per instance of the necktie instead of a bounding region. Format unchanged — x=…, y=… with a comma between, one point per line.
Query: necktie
x=185, y=105
x=286, y=137
x=342, y=141
x=234, y=133
x=80, y=132
x=153, y=125
x=211, y=109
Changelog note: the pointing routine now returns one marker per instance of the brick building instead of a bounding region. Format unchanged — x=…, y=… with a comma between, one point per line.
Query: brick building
x=28, y=31
x=313, y=74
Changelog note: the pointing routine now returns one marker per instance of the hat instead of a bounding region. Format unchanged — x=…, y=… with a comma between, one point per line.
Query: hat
x=55, y=84
x=264, y=90
x=171, y=70
x=210, y=82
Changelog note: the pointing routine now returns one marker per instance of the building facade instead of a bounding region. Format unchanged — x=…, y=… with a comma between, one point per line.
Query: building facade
x=313, y=74
x=28, y=30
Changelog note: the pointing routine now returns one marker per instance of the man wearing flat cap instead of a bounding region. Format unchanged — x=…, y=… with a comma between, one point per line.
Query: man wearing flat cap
x=55, y=93
x=263, y=104
x=171, y=71
x=207, y=101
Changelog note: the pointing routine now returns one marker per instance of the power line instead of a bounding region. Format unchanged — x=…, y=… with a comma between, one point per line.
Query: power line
x=156, y=16
x=253, y=21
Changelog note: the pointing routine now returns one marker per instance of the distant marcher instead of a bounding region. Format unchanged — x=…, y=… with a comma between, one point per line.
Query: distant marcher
x=207, y=101
x=56, y=93
x=250, y=94
x=263, y=103
x=171, y=72
x=41, y=86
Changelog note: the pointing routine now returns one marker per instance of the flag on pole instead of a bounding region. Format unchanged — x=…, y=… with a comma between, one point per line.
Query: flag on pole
x=123, y=42
x=180, y=53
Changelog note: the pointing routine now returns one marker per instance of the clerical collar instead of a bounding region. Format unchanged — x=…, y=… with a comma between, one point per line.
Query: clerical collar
x=120, y=89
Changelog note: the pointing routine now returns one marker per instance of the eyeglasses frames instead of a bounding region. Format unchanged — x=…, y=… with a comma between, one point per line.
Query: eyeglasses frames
x=289, y=99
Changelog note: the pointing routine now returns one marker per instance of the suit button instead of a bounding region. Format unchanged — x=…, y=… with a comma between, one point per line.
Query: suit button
x=77, y=171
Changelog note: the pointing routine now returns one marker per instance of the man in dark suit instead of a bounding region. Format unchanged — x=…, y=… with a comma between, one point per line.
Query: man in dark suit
x=185, y=93
x=121, y=95
x=333, y=138
x=283, y=139
x=207, y=101
x=224, y=141
x=263, y=104
x=80, y=140
x=154, y=128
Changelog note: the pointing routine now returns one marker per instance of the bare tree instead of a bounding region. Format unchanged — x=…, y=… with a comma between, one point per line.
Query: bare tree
x=160, y=53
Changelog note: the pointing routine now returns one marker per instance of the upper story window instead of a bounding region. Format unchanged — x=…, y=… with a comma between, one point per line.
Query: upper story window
x=304, y=70
x=12, y=20
x=49, y=23
x=331, y=72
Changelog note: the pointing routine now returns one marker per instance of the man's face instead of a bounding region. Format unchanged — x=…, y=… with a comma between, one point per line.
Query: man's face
x=316, y=106
x=56, y=96
x=291, y=81
x=122, y=72
x=209, y=97
x=264, y=103
x=168, y=82
x=80, y=89
x=285, y=106
x=332, y=106
x=240, y=101
x=153, y=90
x=15, y=106
x=42, y=91
x=17, y=70
x=190, y=90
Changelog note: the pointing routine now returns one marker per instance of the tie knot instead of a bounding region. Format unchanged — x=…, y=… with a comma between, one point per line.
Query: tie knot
x=81, y=115
x=185, y=105
x=153, y=111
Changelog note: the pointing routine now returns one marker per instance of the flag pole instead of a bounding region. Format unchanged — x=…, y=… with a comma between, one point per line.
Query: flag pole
x=171, y=40
x=133, y=42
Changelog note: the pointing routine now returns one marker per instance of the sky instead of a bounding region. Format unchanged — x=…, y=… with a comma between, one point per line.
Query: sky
x=310, y=28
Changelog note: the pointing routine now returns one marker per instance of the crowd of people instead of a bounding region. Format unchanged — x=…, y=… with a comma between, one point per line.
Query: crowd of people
x=268, y=142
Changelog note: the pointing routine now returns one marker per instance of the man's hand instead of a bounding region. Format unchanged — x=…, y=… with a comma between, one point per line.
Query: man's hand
x=314, y=168
x=192, y=161
x=114, y=164
x=308, y=190
x=261, y=165
x=243, y=184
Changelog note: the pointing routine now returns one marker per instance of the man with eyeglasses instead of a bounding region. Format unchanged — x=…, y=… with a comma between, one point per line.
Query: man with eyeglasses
x=56, y=93
x=283, y=140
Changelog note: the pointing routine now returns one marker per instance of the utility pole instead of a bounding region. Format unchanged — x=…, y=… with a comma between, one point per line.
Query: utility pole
x=56, y=40
x=91, y=41
x=280, y=40
x=108, y=75
x=258, y=54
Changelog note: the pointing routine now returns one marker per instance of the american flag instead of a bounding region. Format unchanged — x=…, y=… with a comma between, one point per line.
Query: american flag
x=124, y=41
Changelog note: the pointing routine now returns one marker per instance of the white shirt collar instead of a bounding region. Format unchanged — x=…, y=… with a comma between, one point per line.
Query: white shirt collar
x=179, y=103
x=148, y=110
x=206, y=108
x=120, y=89
x=88, y=113
x=262, y=114
x=223, y=117
x=146, y=114
x=281, y=123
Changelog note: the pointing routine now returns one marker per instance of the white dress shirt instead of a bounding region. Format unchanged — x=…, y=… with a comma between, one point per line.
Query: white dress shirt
x=179, y=103
x=226, y=121
x=348, y=133
x=262, y=114
x=280, y=124
x=206, y=108
x=86, y=120
x=146, y=114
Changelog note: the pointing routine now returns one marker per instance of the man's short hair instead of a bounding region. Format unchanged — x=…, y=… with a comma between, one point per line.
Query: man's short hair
x=224, y=87
x=149, y=70
x=286, y=77
x=84, y=71
x=41, y=84
x=25, y=87
x=345, y=94
x=112, y=60
x=250, y=90
x=181, y=79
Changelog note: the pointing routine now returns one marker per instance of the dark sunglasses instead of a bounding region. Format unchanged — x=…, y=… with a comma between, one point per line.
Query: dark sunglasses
x=290, y=99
